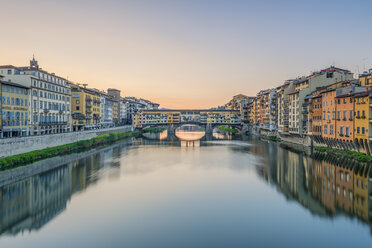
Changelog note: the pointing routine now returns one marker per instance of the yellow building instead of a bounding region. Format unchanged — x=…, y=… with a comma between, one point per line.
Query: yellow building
x=14, y=109
x=365, y=78
x=115, y=112
x=362, y=125
x=137, y=120
x=85, y=108
x=361, y=173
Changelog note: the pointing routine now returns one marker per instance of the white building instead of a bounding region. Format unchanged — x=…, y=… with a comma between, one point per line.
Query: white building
x=107, y=105
x=131, y=105
x=49, y=99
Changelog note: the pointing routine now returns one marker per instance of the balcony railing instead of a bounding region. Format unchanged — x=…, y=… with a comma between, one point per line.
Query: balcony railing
x=52, y=123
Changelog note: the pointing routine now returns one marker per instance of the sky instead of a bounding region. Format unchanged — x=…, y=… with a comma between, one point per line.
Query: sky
x=186, y=54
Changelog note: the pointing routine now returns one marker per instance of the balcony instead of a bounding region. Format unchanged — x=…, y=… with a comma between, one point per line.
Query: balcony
x=88, y=99
x=89, y=105
x=44, y=123
x=88, y=111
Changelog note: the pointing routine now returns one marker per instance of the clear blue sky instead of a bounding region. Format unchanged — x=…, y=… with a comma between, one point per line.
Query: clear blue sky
x=187, y=53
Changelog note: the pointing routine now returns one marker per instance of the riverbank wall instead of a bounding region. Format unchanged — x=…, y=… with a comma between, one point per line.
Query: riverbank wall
x=314, y=141
x=10, y=176
x=19, y=145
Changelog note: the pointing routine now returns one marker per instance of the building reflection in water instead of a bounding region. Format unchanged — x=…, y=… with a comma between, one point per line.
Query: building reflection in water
x=327, y=186
x=28, y=204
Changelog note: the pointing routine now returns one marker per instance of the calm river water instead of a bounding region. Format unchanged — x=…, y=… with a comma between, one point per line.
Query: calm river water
x=217, y=193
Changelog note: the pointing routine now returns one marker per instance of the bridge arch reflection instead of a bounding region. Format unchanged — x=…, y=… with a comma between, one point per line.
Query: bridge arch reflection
x=190, y=132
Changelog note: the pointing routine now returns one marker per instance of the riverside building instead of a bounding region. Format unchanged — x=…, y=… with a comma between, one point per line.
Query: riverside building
x=49, y=98
x=107, y=105
x=293, y=101
x=14, y=110
x=86, y=108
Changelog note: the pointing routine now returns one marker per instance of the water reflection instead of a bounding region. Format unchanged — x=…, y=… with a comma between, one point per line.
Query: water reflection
x=189, y=133
x=326, y=186
x=30, y=203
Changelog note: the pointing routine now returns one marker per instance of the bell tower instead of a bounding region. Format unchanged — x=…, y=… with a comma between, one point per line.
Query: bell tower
x=33, y=63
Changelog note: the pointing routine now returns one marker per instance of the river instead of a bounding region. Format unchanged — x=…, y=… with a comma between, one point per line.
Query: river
x=213, y=193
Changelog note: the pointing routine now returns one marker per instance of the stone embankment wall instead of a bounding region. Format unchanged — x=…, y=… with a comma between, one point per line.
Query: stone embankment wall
x=13, y=146
x=20, y=173
x=304, y=141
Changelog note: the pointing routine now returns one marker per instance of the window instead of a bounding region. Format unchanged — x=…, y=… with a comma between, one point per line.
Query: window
x=77, y=101
x=347, y=131
x=358, y=130
x=325, y=129
x=347, y=177
x=341, y=176
x=330, y=129
x=363, y=130
x=351, y=114
x=342, y=131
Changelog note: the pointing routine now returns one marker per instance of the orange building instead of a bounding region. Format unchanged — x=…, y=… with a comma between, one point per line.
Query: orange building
x=329, y=114
x=316, y=115
x=344, y=117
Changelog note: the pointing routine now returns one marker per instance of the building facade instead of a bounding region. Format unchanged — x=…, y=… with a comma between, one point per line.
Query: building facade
x=49, y=98
x=14, y=110
x=86, y=108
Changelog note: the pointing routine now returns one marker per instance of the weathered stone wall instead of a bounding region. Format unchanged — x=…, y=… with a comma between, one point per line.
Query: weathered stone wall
x=305, y=141
x=13, y=146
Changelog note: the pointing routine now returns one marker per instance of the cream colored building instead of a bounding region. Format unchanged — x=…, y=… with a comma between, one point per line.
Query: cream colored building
x=49, y=98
